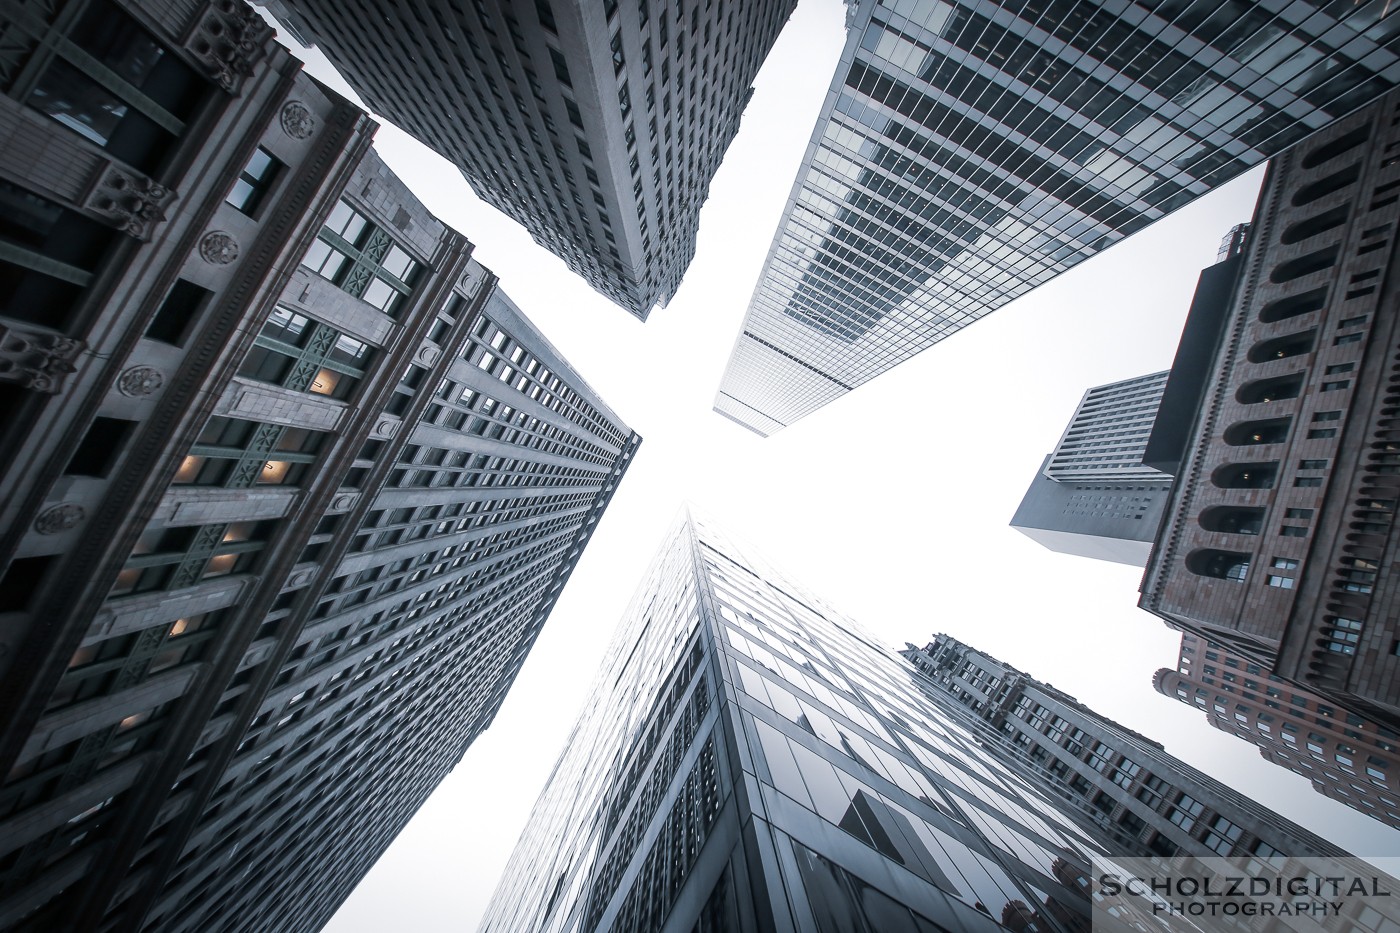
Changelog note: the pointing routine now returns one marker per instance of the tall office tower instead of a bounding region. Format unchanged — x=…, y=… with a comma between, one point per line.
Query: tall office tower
x=750, y=760
x=970, y=150
x=1345, y=755
x=597, y=127
x=299, y=483
x=1094, y=496
x=1118, y=779
x=1279, y=533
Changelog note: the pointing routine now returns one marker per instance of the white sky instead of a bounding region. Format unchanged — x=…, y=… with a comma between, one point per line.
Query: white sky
x=892, y=503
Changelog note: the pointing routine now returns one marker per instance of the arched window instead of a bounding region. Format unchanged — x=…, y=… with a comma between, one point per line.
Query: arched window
x=1246, y=475
x=1303, y=265
x=1283, y=347
x=1327, y=184
x=1333, y=148
x=1223, y=565
x=1293, y=305
x=1318, y=223
x=1249, y=433
x=1270, y=390
x=1234, y=520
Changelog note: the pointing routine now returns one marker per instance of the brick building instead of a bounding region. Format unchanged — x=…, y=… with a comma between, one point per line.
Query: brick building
x=1280, y=532
x=1346, y=756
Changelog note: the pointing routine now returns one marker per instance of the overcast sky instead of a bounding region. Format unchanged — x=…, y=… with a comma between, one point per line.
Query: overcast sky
x=892, y=502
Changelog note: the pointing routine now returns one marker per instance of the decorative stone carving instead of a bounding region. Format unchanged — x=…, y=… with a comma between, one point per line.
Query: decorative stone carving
x=36, y=359
x=228, y=39
x=343, y=502
x=59, y=518
x=130, y=202
x=218, y=247
x=297, y=121
x=386, y=428
x=140, y=380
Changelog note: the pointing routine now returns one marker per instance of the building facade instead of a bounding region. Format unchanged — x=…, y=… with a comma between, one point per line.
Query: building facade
x=751, y=761
x=596, y=127
x=1279, y=533
x=1345, y=755
x=299, y=486
x=1120, y=782
x=1094, y=496
x=969, y=151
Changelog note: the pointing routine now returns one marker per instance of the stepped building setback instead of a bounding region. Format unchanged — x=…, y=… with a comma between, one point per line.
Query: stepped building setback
x=970, y=150
x=750, y=760
x=1093, y=496
x=595, y=126
x=300, y=484
x=1280, y=533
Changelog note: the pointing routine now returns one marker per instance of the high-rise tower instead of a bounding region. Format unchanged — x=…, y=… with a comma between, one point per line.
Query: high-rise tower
x=750, y=760
x=299, y=484
x=1279, y=536
x=597, y=127
x=970, y=150
x=1094, y=496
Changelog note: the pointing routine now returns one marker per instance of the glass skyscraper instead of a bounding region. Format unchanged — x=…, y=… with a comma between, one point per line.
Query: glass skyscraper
x=750, y=760
x=969, y=151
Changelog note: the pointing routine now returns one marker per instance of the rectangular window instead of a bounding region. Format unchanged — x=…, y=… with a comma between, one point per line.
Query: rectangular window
x=1285, y=583
x=1319, y=433
x=362, y=260
x=1308, y=481
x=1298, y=513
x=1284, y=563
x=254, y=182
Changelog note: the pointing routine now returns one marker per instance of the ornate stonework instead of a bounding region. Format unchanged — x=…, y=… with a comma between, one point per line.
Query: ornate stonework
x=37, y=360
x=140, y=380
x=59, y=518
x=130, y=202
x=297, y=121
x=228, y=39
x=218, y=247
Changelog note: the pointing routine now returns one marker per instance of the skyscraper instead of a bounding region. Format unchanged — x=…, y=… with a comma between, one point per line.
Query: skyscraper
x=1094, y=496
x=300, y=484
x=969, y=151
x=1345, y=755
x=750, y=760
x=1278, y=537
x=1117, y=779
x=596, y=127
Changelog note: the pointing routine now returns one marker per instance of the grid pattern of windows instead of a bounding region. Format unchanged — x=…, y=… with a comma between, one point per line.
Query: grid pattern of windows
x=961, y=163
x=606, y=167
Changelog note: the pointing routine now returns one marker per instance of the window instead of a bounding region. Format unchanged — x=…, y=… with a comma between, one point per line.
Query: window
x=1285, y=583
x=362, y=260
x=1185, y=812
x=173, y=322
x=307, y=356
x=116, y=86
x=237, y=454
x=254, y=182
x=1222, y=835
x=1343, y=635
x=171, y=558
x=100, y=447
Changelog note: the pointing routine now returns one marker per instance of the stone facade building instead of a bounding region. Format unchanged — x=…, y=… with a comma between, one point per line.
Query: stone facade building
x=1123, y=785
x=298, y=484
x=595, y=126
